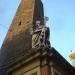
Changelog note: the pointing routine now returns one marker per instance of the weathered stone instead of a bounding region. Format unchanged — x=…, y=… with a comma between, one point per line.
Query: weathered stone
x=18, y=40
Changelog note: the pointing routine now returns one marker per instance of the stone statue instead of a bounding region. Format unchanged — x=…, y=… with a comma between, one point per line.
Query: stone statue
x=40, y=36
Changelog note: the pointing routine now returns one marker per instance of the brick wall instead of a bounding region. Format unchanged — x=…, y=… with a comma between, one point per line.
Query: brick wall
x=18, y=40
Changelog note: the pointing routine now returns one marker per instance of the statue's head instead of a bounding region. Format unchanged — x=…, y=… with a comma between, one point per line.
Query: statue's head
x=38, y=23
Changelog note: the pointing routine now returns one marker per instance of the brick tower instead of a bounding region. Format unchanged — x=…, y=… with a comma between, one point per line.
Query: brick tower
x=18, y=39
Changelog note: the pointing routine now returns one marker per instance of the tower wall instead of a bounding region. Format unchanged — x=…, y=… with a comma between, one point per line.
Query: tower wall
x=18, y=40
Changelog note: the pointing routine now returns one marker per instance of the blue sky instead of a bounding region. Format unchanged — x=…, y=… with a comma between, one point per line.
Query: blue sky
x=61, y=15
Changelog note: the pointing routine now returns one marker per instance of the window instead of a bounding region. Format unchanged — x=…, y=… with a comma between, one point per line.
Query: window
x=20, y=23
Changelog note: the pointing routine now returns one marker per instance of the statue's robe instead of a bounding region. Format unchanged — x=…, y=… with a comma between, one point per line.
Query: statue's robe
x=40, y=38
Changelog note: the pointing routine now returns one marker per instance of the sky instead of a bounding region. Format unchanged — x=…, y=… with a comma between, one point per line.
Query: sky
x=61, y=22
